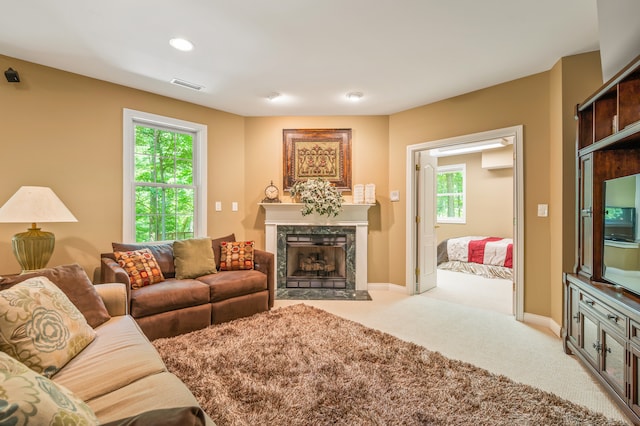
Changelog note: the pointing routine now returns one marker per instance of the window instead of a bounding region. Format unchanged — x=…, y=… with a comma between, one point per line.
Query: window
x=451, y=199
x=164, y=182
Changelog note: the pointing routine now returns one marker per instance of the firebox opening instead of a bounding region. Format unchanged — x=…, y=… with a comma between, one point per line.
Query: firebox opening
x=316, y=261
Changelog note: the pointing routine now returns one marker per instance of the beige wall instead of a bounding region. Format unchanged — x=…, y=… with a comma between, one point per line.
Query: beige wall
x=263, y=162
x=524, y=101
x=65, y=131
x=572, y=80
x=489, y=196
x=543, y=104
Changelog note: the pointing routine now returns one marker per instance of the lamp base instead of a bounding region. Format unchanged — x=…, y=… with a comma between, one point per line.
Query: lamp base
x=33, y=248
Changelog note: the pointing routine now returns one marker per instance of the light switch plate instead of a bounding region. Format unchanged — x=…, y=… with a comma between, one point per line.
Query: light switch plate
x=234, y=206
x=543, y=210
x=395, y=195
x=218, y=206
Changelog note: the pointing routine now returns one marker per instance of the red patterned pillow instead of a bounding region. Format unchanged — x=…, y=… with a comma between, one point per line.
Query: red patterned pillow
x=141, y=266
x=236, y=255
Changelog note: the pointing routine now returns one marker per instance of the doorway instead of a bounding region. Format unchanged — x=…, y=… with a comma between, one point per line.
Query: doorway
x=421, y=259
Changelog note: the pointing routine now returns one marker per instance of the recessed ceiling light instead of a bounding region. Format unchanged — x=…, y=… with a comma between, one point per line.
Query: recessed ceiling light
x=354, y=96
x=273, y=96
x=181, y=44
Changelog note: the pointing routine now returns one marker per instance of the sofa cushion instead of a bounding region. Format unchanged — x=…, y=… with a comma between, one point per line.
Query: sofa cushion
x=227, y=284
x=216, y=245
x=163, y=254
x=193, y=258
x=141, y=266
x=40, y=327
x=181, y=416
x=162, y=390
x=167, y=296
x=119, y=355
x=75, y=283
x=26, y=397
x=236, y=255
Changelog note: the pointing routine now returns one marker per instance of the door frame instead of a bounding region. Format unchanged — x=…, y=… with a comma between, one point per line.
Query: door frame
x=518, y=205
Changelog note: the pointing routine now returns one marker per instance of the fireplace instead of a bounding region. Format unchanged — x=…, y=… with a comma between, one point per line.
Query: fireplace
x=345, y=233
x=320, y=257
x=316, y=261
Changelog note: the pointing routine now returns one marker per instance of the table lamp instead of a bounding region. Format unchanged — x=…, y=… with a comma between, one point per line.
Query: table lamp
x=31, y=204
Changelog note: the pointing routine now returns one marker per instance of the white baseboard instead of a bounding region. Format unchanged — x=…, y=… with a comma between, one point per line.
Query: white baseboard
x=541, y=321
x=388, y=287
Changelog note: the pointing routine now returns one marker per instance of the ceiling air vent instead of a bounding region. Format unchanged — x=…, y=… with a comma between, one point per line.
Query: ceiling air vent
x=186, y=84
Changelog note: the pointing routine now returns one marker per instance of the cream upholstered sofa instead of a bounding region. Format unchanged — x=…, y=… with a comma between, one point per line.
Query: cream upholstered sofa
x=119, y=374
x=176, y=305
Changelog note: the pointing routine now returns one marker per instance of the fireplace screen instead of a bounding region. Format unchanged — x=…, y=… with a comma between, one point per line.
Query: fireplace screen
x=316, y=261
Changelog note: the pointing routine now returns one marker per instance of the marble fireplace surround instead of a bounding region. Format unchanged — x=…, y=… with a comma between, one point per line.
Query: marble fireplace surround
x=352, y=221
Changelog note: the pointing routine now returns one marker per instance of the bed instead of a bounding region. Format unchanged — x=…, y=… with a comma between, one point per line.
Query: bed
x=490, y=257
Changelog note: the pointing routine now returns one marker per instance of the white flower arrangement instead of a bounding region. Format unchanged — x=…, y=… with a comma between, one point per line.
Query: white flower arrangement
x=318, y=195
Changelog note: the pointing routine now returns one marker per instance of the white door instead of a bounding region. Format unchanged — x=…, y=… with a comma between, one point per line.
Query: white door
x=426, y=218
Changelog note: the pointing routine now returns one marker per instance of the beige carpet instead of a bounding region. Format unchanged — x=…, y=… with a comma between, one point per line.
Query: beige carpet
x=301, y=365
x=494, y=294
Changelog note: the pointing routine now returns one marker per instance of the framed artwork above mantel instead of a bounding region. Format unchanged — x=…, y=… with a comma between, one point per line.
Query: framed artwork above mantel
x=317, y=153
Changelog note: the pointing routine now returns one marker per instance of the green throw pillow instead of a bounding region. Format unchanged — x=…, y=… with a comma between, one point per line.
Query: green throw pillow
x=193, y=258
x=26, y=397
x=40, y=327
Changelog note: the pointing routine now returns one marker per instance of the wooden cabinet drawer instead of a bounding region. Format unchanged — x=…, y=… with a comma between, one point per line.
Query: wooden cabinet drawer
x=608, y=315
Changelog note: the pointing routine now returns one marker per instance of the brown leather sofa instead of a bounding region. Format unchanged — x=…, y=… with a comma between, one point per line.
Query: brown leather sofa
x=173, y=306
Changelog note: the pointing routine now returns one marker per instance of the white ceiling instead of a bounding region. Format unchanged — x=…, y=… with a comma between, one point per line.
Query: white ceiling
x=399, y=53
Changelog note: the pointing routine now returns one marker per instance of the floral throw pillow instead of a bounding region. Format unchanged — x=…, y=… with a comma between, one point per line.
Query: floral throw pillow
x=26, y=397
x=40, y=327
x=141, y=266
x=236, y=255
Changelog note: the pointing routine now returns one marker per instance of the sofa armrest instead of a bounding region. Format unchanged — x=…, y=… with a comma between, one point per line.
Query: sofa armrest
x=112, y=272
x=114, y=296
x=264, y=262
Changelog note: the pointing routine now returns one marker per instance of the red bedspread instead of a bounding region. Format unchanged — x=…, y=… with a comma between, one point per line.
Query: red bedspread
x=483, y=250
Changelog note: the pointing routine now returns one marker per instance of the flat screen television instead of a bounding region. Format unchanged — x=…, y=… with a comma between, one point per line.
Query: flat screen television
x=621, y=248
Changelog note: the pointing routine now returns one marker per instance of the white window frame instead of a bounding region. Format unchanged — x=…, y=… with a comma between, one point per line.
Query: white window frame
x=456, y=168
x=130, y=119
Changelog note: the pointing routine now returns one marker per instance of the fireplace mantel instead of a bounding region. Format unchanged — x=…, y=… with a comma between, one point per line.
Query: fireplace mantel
x=356, y=215
x=290, y=213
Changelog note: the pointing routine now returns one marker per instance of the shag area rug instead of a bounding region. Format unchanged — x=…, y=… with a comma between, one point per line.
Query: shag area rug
x=300, y=365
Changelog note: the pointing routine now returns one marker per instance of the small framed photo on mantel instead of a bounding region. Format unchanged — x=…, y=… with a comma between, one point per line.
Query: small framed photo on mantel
x=317, y=153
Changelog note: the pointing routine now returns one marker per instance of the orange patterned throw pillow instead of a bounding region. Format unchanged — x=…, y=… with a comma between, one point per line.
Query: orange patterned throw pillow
x=236, y=255
x=141, y=266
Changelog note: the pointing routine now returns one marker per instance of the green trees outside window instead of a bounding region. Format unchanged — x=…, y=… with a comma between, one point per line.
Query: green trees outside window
x=164, y=184
x=451, y=194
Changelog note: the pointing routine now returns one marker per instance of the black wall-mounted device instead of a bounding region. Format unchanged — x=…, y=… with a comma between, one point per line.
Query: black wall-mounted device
x=12, y=76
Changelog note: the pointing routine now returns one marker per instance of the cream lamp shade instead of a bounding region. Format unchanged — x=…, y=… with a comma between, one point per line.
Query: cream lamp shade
x=32, y=204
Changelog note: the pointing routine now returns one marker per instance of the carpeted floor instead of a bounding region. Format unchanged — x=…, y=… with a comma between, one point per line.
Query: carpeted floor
x=300, y=365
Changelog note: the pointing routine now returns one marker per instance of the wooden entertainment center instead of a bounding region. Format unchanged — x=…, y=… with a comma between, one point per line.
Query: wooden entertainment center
x=602, y=319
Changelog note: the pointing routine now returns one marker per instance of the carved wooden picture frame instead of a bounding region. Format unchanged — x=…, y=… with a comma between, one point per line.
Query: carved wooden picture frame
x=317, y=153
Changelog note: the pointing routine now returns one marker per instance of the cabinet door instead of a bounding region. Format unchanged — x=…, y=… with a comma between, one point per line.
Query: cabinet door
x=585, y=243
x=614, y=358
x=590, y=342
x=573, y=326
x=634, y=379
